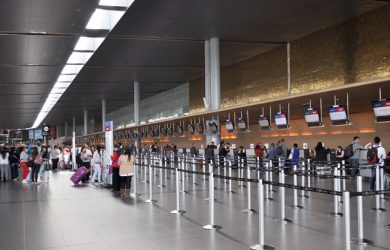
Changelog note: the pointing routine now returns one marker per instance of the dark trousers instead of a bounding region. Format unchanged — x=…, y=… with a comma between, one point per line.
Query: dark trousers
x=55, y=164
x=14, y=170
x=125, y=182
x=115, y=179
x=88, y=166
x=373, y=179
x=355, y=166
x=35, y=172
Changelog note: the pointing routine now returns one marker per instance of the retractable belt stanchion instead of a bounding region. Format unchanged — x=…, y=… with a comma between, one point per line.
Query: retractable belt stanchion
x=150, y=200
x=204, y=168
x=135, y=178
x=194, y=169
x=347, y=220
x=225, y=169
x=211, y=226
x=261, y=244
x=308, y=178
x=282, y=218
x=258, y=168
x=381, y=178
x=343, y=174
x=144, y=169
x=183, y=177
x=335, y=212
x=239, y=164
x=249, y=210
x=360, y=240
x=295, y=205
x=230, y=175
x=161, y=185
x=339, y=199
x=377, y=197
x=266, y=173
x=303, y=177
x=178, y=210
x=271, y=177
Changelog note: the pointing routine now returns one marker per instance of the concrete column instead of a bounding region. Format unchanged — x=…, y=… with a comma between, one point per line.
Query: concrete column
x=66, y=129
x=103, y=113
x=136, y=111
x=74, y=152
x=57, y=132
x=215, y=74
x=85, y=121
x=207, y=79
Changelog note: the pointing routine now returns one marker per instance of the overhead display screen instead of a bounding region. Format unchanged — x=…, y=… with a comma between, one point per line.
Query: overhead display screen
x=213, y=127
x=180, y=130
x=312, y=117
x=264, y=122
x=229, y=126
x=381, y=110
x=281, y=120
x=241, y=124
x=191, y=129
x=199, y=128
x=338, y=115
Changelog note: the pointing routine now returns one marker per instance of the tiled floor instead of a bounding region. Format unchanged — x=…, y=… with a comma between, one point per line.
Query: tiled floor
x=59, y=216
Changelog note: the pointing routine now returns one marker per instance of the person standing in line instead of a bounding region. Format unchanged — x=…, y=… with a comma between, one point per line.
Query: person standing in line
x=294, y=155
x=380, y=152
x=97, y=164
x=45, y=164
x=86, y=156
x=4, y=164
x=23, y=164
x=36, y=162
x=355, y=156
x=126, y=172
x=271, y=151
x=281, y=153
x=194, y=150
x=115, y=168
x=55, y=155
x=339, y=154
x=14, y=163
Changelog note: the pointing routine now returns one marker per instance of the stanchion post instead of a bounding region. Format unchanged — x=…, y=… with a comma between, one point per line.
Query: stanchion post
x=377, y=197
x=381, y=179
x=177, y=210
x=193, y=170
x=150, y=200
x=161, y=185
x=295, y=205
x=266, y=172
x=271, y=177
x=360, y=240
x=335, y=212
x=343, y=174
x=239, y=183
x=211, y=226
x=261, y=244
x=145, y=168
x=204, y=168
x=347, y=220
x=308, y=177
x=282, y=218
x=230, y=175
x=135, y=179
x=249, y=209
x=303, y=181
x=225, y=170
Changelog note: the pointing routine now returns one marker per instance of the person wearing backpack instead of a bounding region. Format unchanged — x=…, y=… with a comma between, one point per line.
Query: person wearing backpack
x=281, y=153
x=376, y=155
x=355, y=155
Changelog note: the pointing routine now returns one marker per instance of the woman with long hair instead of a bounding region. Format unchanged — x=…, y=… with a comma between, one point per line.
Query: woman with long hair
x=97, y=160
x=4, y=165
x=36, y=162
x=24, y=158
x=14, y=163
x=126, y=171
x=45, y=155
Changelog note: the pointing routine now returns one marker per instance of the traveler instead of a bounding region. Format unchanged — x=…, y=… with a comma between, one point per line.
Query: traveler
x=355, y=156
x=294, y=156
x=4, y=165
x=376, y=155
x=14, y=163
x=55, y=155
x=321, y=157
x=259, y=150
x=339, y=154
x=45, y=163
x=126, y=171
x=194, y=151
x=272, y=152
x=35, y=162
x=24, y=158
x=86, y=156
x=281, y=153
x=242, y=154
x=97, y=160
x=222, y=152
x=115, y=168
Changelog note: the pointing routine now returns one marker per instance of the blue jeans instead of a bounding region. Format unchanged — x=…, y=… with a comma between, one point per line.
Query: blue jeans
x=373, y=179
x=355, y=166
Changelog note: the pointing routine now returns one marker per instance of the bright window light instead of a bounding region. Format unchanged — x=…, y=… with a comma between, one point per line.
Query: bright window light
x=79, y=57
x=118, y=3
x=62, y=84
x=104, y=19
x=72, y=69
x=89, y=43
x=66, y=78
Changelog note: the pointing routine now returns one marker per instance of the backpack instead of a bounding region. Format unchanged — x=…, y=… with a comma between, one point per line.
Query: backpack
x=372, y=155
x=348, y=151
x=279, y=150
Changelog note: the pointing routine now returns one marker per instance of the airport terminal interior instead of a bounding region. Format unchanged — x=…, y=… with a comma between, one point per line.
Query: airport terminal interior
x=194, y=124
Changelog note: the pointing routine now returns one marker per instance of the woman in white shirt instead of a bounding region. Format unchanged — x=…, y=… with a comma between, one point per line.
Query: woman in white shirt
x=126, y=171
x=4, y=165
x=97, y=164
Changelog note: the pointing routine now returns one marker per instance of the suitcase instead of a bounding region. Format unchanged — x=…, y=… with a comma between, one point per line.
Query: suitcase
x=79, y=175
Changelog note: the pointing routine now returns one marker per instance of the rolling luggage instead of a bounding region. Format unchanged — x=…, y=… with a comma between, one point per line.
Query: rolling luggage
x=79, y=175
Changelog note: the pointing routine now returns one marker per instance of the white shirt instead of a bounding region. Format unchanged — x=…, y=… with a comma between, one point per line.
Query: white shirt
x=97, y=158
x=86, y=156
x=381, y=155
x=5, y=160
x=23, y=156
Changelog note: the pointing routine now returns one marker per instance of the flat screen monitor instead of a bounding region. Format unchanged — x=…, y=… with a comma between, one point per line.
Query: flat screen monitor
x=381, y=110
x=312, y=117
x=199, y=128
x=281, y=120
x=229, y=126
x=38, y=134
x=264, y=123
x=213, y=127
x=338, y=115
x=155, y=133
x=164, y=131
x=191, y=129
x=169, y=131
x=179, y=130
x=241, y=124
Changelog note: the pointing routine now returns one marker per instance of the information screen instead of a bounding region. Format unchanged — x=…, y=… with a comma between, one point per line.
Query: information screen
x=191, y=129
x=199, y=128
x=263, y=122
x=164, y=131
x=338, y=115
x=38, y=134
x=229, y=126
x=169, y=131
x=312, y=116
x=381, y=110
x=213, y=127
x=281, y=120
x=241, y=124
x=179, y=130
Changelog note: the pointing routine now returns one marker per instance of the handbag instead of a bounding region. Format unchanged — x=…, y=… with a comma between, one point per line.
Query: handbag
x=38, y=160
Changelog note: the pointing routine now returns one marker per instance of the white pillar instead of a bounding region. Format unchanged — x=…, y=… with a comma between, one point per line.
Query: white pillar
x=215, y=74
x=136, y=112
x=74, y=152
x=85, y=121
x=207, y=79
x=66, y=129
x=103, y=113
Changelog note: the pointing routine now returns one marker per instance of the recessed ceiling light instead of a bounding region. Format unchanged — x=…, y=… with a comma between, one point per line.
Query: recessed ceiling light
x=89, y=43
x=66, y=78
x=71, y=69
x=104, y=19
x=79, y=57
x=116, y=3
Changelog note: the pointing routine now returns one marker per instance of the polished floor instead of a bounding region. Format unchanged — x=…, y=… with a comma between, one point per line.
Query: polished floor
x=59, y=216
